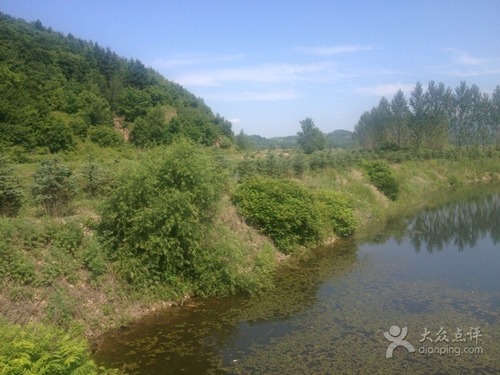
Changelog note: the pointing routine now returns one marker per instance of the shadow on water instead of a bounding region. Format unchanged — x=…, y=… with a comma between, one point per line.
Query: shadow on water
x=330, y=307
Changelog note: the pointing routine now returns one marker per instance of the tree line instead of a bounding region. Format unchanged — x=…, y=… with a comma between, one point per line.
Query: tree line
x=432, y=118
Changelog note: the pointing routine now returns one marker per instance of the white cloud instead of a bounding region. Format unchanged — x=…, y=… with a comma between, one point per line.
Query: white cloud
x=194, y=59
x=269, y=73
x=256, y=96
x=463, y=64
x=468, y=60
x=334, y=50
x=386, y=89
x=235, y=121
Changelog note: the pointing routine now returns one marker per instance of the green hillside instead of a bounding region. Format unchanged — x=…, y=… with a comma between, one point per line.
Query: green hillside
x=57, y=91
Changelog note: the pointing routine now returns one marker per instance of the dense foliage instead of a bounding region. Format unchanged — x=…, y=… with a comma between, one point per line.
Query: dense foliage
x=10, y=190
x=336, y=211
x=464, y=117
x=56, y=89
x=53, y=188
x=381, y=177
x=292, y=215
x=43, y=350
x=155, y=221
x=310, y=139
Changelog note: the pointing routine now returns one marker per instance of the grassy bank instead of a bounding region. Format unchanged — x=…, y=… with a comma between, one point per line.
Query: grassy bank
x=63, y=268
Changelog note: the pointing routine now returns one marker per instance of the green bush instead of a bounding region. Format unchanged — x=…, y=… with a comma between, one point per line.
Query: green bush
x=337, y=213
x=94, y=177
x=10, y=189
x=94, y=259
x=381, y=177
x=105, y=136
x=154, y=221
x=68, y=237
x=61, y=308
x=15, y=265
x=281, y=209
x=43, y=350
x=53, y=188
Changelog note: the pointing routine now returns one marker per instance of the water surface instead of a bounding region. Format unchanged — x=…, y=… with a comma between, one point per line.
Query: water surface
x=436, y=273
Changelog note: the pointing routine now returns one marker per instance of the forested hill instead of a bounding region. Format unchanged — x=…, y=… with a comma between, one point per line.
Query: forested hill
x=57, y=91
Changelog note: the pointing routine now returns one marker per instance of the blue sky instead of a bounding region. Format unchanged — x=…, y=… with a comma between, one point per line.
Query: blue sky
x=266, y=65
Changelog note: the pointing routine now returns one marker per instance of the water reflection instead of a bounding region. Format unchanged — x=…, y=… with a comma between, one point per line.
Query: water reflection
x=460, y=225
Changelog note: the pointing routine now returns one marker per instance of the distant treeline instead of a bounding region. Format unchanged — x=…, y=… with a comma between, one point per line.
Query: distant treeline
x=464, y=117
x=335, y=139
x=56, y=90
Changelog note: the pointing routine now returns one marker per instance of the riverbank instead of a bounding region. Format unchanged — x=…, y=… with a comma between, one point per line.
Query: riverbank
x=68, y=285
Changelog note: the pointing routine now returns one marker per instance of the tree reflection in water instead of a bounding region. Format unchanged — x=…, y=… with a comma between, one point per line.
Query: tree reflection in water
x=460, y=225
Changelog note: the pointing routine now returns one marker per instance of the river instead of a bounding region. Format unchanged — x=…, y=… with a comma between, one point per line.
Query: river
x=420, y=297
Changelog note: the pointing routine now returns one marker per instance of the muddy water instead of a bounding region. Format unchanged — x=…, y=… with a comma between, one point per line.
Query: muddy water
x=437, y=273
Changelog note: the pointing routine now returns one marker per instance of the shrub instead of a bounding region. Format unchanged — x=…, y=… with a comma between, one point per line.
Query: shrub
x=381, y=177
x=43, y=350
x=336, y=211
x=281, y=209
x=94, y=177
x=153, y=222
x=94, y=259
x=54, y=135
x=15, y=265
x=68, y=237
x=10, y=190
x=61, y=308
x=105, y=136
x=53, y=187
x=299, y=165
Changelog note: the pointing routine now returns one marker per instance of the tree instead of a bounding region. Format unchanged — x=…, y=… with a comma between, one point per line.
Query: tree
x=151, y=130
x=483, y=119
x=436, y=101
x=10, y=190
x=105, y=136
x=363, y=131
x=417, y=122
x=466, y=106
x=54, y=135
x=310, y=139
x=242, y=141
x=382, y=118
x=53, y=188
x=400, y=117
x=495, y=116
x=94, y=177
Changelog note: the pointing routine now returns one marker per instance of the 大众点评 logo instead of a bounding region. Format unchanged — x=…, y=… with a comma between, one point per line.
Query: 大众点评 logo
x=397, y=337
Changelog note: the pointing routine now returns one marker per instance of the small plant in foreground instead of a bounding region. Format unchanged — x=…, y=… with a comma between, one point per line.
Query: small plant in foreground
x=53, y=188
x=10, y=191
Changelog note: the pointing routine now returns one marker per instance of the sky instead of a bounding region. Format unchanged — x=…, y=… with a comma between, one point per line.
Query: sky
x=266, y=65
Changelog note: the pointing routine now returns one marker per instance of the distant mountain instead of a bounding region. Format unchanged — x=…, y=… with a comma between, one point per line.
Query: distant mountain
x=57, y=90
x=336, y=139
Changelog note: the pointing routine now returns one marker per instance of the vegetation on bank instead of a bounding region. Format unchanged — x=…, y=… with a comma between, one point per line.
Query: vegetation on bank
x=186, y=220
x=293, y=215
